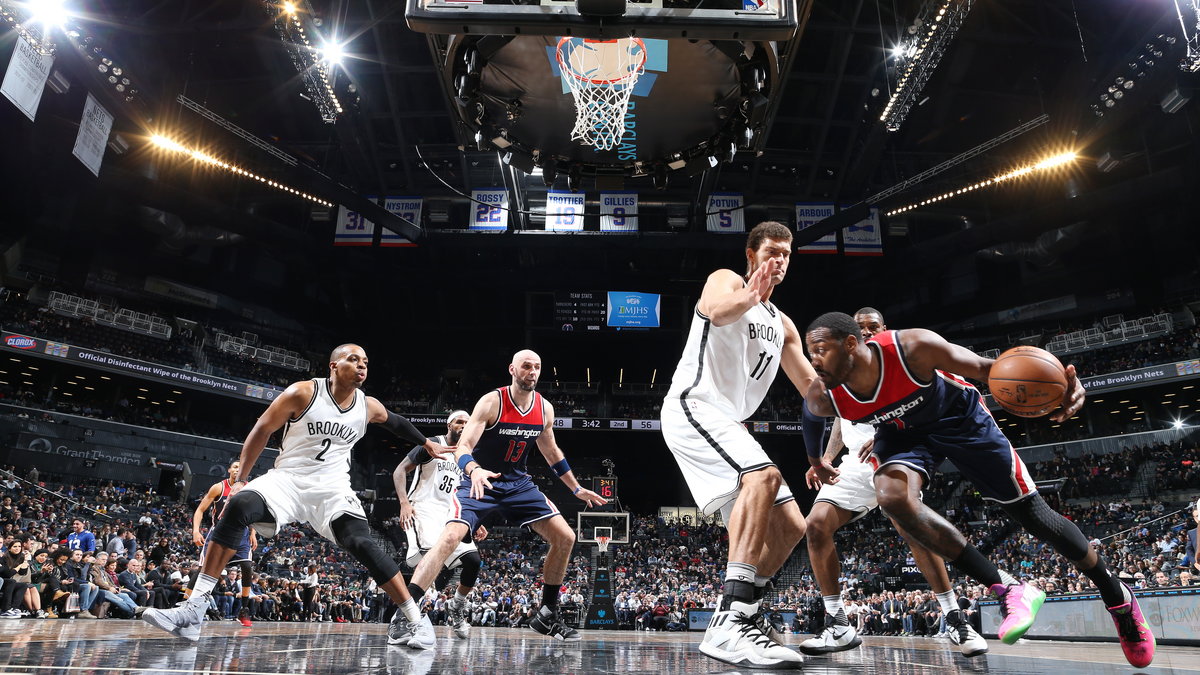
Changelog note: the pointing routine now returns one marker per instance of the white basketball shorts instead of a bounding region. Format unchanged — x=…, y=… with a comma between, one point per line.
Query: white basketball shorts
x=428, y=524
x=316, y=499
x=855, y=491
x=713, y=452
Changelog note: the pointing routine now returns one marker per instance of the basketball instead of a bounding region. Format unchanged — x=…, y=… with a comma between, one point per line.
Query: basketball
x=1028, y=381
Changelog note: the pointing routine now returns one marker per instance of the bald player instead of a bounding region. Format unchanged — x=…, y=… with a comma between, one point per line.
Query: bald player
x=492, y=453
x=322, y=419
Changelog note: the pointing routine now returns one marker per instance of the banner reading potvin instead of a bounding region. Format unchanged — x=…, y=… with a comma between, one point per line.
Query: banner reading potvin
x=490, y=209
x=725, y=212
x=618, y=212
x=564, y=211
x=809, y=214
x=408, y=208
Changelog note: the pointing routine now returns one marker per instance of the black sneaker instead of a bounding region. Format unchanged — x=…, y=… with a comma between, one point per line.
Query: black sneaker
x=554, y=627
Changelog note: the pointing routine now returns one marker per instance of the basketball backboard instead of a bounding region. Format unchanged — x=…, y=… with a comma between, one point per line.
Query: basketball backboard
x=588, y=521
x=607, y=19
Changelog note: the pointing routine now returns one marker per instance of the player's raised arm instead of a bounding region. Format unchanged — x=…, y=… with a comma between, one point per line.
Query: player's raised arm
x=558, y=461
x=792, y=359
x=485, y=414
x=290, y=404
x=726, y=296
x=401, y=427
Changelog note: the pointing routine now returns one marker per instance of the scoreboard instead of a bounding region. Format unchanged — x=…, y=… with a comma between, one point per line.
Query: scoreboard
x=580, y=310
x=605, y=486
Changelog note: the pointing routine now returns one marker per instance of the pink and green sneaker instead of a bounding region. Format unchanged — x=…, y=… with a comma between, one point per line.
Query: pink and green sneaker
x=1137, y=640
x=1019, y=605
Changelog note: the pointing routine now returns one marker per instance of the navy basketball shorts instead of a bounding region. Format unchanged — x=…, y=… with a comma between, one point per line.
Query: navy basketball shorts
x=976, y=447
x=520, y=504
x=243, y=549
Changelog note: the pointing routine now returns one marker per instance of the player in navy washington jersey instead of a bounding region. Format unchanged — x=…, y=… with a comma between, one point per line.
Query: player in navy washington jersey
x=210, y=508
x=505, y=426
x=321, y=419
x=906, y=383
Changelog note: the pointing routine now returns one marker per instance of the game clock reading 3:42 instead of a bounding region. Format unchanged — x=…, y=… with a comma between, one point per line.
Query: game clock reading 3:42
x=605, y=487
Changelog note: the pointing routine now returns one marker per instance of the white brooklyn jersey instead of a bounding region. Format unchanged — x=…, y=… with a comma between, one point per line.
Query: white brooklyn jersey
x=731, y=366
x=433, y=484
x=320, y=439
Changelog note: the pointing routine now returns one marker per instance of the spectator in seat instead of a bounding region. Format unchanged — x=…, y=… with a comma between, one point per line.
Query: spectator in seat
x=80, y=539
x=79, y=568
x=131, y=583
x=109, y=595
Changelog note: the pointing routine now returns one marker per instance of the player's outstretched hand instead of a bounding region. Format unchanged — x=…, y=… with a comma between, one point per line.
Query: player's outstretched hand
x=1072, y=399
x=481, y=533
x=825, y=474
x=865, y=451
x=480, y=481
x=760, y=281
x=197, y=539
x=437, y=450
x=406, y=514
x=591, y=498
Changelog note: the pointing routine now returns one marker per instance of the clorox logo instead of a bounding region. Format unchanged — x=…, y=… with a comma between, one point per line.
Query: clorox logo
x=18, y=342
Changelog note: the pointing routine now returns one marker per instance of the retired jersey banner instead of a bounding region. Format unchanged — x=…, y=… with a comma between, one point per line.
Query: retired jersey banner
x=618, y=212
x=490, y=209
x=725, y=212
x=809, y=214
x=353, y=229
x=26, y=77
x=408, y=208
x=92, y=138
x=564, y=211
x=864, y=237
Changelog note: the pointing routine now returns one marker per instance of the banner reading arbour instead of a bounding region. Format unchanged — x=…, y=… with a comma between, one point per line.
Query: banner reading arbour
x=122, y=365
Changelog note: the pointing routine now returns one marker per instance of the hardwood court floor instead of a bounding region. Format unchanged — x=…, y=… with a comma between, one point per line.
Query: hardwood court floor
x=113, y=647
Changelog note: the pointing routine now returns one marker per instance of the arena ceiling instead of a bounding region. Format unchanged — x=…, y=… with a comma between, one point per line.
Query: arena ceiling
x=1084, y=231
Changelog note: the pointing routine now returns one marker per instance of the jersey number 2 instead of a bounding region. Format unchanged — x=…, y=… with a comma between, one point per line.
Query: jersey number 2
x=324, y=449
x=515, y=450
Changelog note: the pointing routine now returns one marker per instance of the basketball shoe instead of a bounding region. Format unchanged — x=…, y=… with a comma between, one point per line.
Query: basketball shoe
x=547, y=623
x=838, y=636
x=1137, y=640
x=962, y=634
x=423, y=636
x=734, y=637
x=1019, y=605
x=400, y=629
x=183, y=621
x=244, y=618
x=456, y=617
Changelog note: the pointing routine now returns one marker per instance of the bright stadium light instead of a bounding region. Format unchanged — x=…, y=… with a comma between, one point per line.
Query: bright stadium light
x=333, y=53
x=289, y=8
x=49, y=13
x=1045, y=164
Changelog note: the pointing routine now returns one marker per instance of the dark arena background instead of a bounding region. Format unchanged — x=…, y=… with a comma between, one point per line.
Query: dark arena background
x=202, y=199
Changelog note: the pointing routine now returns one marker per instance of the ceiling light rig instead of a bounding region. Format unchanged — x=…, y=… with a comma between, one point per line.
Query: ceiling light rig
x=313, y=57
x=1190, y=23
x=1051, y=162
x=932, y=32
x=167, y=143
x=35, y=21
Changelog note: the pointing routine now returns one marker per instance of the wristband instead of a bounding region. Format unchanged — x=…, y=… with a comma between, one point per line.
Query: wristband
x=813, y=428
x=578, y=489
x=561, y=468
x=464, y=460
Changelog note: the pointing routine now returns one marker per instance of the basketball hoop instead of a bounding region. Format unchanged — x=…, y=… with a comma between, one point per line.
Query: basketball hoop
x=602, y=542
x=601, y=75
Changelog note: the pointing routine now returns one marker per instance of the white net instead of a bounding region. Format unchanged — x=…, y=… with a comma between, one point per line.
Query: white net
x=601, y=75
x=602, y=542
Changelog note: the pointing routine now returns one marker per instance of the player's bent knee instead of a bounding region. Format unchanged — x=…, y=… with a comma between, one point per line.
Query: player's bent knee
x=898, y=505
x=471, y=564
x=766, y=478
x=244, y=509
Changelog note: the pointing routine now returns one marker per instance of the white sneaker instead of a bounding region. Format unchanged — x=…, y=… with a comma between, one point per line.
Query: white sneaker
x=400, y=629
x=12, y=614
x=423, y=636
x=181, y=622
x=962, y=634
x=837, y=637
x=763, y=624
x=456, y=618
x=733, y=638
